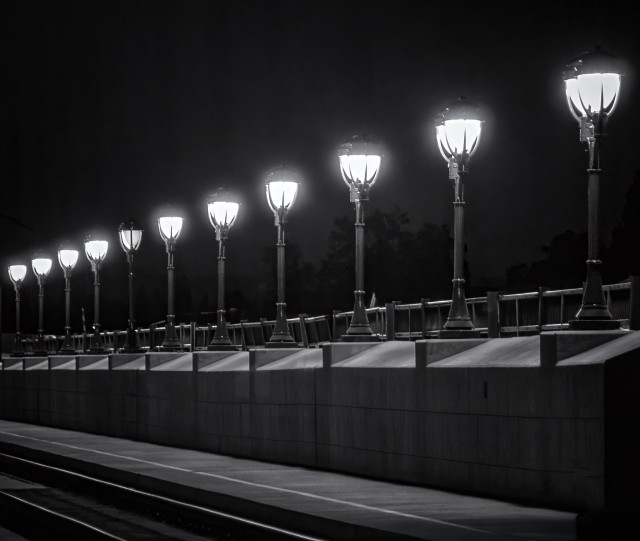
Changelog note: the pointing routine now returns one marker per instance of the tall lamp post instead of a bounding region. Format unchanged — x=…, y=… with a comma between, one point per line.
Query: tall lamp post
x=359, y=165
x=458, y=130
x=130, y=234
x=96, y=251
x=170, y=226
x=17, y=274
x=67, y=257
x=223, y=211
x=592, y=84
x=41, y=267
x=282, y=189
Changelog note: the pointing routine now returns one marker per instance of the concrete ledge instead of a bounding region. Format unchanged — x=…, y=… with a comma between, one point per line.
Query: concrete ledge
x=156, y=358
x=339, y=351
x=93, y=362
x=434, y=350
x=235, y=362
x=174, y=360
x=205, y=358
x=13, y=364
x=62, y=362
x=36, y=363
x=126, y=361
x=304, y=358
x=556, y=346
x=262, y=357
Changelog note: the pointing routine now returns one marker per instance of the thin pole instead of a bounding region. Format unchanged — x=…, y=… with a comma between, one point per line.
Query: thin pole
x=97, y=345
x=171, y=341
x=132, y=343
x=458, y=318
x=359, y=327
x=281, y=335
x=594, y=305
x=221, y=338
x=18, y=350
x=40, y=347
x=67, y=344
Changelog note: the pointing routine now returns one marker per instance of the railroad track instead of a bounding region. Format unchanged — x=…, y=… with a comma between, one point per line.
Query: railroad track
x=40, y=501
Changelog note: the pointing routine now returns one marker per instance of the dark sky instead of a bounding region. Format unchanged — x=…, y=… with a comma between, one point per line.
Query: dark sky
x=115, y=108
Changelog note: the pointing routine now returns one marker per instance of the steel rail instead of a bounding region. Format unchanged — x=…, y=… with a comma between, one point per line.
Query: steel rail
x=171, y=501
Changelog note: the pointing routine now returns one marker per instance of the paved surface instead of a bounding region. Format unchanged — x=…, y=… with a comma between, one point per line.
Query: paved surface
x=328, y=502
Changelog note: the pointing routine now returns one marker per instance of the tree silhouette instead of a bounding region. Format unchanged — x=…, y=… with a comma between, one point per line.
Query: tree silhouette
x=622, y=259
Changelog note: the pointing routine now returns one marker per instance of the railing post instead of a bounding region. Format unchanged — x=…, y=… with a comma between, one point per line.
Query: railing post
x=423, y=317
x=390, y=311
x=334, y=324
x=634, y=300
x=152, y=338
x=303, y=330
x=542, y=308
x=192, y=335
x=493, y=314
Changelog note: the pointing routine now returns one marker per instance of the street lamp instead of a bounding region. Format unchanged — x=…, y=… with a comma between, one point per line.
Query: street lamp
x=458, y=130
x=17, y=273
x=41, y=267
x=170, y=226
x=130, y=234
x=96, y=251
x=67, y=257
x=592, y=84
x=282, y=189
x=223, y=211
x=359, y=165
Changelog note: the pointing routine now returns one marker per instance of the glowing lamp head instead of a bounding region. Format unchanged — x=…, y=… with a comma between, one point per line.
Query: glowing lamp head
x=360, y=160
x=282, y=190
x=458, y=130
x=170, y=226
x=592, y=84
x=130, y=235
x=222, y=208
x=95, y=250
x=17, y=274
x=41, y=266
x=68, y=258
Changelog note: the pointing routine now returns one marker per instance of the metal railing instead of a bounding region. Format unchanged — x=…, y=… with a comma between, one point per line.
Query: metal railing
x=496, y=315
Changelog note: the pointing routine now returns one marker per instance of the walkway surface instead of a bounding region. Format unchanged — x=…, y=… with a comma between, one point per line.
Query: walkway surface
x=329, y=502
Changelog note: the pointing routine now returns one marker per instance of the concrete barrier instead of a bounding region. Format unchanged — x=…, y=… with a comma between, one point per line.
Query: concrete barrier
x=489, y=419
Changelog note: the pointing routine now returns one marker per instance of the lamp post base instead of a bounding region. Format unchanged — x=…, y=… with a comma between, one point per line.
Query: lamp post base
x=360, y=338
x=458, y=333
x=170, y=346
x=279, y=345
x=222, y=347
x=594, y=324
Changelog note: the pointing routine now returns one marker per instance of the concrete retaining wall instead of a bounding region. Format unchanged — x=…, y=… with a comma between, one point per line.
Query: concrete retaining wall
x=489, y=420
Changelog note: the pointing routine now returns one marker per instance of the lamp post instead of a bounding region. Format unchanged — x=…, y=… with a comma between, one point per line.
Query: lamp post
x=41, y=267
x=17, y=273
x=223, y=211
x=130, y=234
x=359, y=165
x=282, y=189
x=458, y=130
x=67, y=257
x=96, y=251
x=170, y=226
x=592, y=84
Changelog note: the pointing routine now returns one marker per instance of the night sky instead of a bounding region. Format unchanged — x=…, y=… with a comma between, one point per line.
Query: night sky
x=113, y=109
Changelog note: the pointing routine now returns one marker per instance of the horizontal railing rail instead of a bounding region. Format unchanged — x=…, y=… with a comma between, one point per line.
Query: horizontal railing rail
x=496, y=315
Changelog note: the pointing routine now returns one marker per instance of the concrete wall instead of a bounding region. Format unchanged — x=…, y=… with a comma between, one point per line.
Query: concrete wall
x=489, y=420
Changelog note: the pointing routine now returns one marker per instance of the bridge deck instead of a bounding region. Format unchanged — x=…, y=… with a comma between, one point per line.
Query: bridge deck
x=327, y=501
